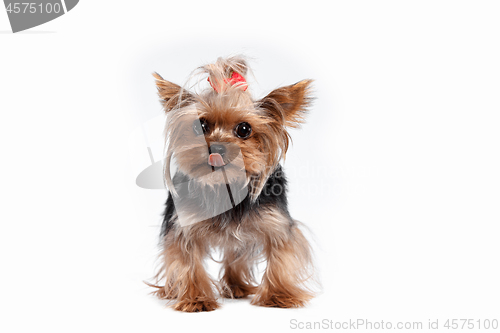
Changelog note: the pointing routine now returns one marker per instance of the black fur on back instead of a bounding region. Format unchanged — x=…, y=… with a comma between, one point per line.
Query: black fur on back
x=273, y=195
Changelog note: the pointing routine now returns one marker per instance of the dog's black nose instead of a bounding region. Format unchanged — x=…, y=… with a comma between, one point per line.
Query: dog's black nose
x=217, y=149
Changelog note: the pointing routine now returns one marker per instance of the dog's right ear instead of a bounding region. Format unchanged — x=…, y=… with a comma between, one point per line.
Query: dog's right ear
x=171, y=95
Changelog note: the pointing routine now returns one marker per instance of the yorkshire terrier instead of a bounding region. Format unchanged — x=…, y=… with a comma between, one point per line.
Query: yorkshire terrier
x=229, y=192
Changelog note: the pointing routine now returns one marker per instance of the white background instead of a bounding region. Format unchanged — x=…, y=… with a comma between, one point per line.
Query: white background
x=396, y=173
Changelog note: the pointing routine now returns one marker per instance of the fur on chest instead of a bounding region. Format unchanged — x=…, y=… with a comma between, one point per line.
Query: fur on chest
x=201, y=205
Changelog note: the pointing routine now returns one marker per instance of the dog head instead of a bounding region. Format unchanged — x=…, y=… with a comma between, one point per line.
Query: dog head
x=223, y=127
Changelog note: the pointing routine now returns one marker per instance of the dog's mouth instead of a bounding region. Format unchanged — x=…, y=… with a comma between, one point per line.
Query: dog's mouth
x=221, y=154
x=216, y=160
x=200, y=161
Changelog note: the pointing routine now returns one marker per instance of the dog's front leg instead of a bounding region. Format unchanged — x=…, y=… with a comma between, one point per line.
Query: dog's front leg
x=186, y=280
x=288, y=268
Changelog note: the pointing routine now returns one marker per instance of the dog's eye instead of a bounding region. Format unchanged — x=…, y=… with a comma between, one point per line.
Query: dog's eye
x=243, y=130
x=200, y=126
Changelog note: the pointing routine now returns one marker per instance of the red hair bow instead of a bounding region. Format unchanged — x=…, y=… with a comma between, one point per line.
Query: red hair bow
x=235, y=78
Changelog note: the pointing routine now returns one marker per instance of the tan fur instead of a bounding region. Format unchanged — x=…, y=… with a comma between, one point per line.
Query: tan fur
x=267, y=234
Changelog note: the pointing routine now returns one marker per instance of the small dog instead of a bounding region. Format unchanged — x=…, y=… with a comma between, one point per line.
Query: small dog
x=229, y=192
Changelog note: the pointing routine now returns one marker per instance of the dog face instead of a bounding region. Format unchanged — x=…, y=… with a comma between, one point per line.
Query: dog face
x=224, y=128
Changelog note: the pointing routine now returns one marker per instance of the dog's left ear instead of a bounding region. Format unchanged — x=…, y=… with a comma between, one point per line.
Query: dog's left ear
x=289, y=104
x=171, y=95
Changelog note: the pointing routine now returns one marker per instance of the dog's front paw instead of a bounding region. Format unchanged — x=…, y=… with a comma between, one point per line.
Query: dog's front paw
x=196, y=306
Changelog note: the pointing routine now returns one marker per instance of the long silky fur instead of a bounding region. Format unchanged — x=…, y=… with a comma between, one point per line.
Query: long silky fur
x=259, y=227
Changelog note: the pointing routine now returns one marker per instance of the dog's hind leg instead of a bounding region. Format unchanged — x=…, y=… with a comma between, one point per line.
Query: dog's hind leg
x=238, y=279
